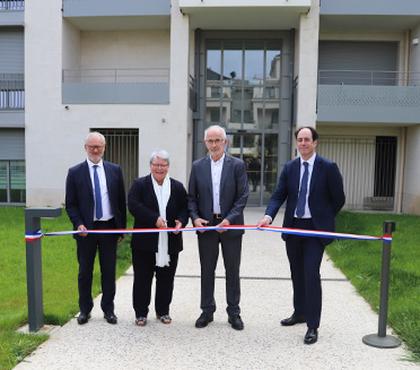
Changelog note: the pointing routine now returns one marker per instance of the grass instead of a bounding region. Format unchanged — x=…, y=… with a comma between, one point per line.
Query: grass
x=361, y=263
x=59, y=269
x=359, y=260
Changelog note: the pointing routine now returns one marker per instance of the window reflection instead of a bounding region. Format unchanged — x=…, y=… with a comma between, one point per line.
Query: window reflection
x=243, y=80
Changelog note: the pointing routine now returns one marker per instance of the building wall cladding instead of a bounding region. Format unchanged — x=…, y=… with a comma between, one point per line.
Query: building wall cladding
x=54, y=134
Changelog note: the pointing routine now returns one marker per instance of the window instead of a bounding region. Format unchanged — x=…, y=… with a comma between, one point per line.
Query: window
x=12, y=182
x=122, y=147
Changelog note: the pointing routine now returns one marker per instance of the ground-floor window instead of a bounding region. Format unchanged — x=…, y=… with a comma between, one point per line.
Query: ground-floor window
x=368, y=165
x=12, y=181
x=122, y=147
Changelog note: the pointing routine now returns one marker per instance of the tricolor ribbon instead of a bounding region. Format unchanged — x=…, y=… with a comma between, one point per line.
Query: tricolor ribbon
x=284, y=230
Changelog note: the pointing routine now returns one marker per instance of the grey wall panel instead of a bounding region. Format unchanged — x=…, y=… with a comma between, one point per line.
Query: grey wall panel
x=111, y=93
x=356, y=55
x=11, y=51
x=12, y=144
x=371, y=7
x=86, y=8
x=11, y=18
x=9, y=118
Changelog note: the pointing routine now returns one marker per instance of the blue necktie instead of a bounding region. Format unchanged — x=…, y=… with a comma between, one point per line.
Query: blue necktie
x=98, y=197
x=300, y=207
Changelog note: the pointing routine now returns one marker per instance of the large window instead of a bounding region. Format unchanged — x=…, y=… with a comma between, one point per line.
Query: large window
x=12, y=182
x=243, y=83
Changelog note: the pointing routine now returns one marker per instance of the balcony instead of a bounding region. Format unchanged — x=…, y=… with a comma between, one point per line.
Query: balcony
x=122, y=14
x=363, y=7
x=11, y=12
x=12, y=100
x=363, y=15
x=116, y=86
x=244, y=14
x=368, y=97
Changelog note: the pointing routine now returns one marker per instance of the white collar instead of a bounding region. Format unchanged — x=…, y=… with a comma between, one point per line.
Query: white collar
x=91, y=164
x=311, y=160
x=220, y=160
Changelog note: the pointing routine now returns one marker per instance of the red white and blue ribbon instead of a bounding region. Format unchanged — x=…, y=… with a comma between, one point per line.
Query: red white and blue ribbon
x=284, y=230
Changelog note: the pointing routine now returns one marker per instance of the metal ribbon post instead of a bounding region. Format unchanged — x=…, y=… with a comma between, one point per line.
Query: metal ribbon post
x=381, y=340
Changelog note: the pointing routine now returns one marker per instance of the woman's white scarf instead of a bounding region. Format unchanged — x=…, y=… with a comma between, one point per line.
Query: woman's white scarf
x=163, y=193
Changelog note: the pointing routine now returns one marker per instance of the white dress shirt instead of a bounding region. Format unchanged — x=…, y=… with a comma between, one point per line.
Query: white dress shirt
x=310, y=162
x=216, y=175
x=106, y=205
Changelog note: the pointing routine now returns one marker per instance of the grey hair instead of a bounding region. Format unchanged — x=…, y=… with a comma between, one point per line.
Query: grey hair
x=220, y=128
x=95, y=134
x=160, y=153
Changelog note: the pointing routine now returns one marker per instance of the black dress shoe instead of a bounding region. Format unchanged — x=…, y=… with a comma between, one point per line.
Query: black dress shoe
x=236, y=322
x=110, y=318
x=292, y=320
x=311, y=336
x=83, y=318
x=204, y=320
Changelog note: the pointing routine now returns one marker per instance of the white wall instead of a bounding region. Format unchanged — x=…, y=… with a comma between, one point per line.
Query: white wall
x=71, y=38
x=54, y=135
x=415, y=51
x=307, y=66
x=411, y=189
x=125, y=49
x=180, y=119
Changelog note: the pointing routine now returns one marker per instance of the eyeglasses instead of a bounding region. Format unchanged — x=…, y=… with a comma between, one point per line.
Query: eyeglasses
x=158, y=165
x=215, y=141
x=95, y=147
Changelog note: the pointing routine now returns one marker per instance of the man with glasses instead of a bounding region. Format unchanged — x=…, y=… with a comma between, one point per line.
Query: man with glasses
x=95, y=200
x=218, y=191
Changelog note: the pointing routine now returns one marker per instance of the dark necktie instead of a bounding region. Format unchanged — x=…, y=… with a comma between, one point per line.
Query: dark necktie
x=98, y=197
x=300, y=207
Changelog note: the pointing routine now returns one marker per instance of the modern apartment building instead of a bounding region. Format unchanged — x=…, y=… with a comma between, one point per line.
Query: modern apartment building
x=155, y=74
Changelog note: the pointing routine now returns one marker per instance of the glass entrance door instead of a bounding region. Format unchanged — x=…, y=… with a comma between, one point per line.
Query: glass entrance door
x=242, y=91
x=260, y=154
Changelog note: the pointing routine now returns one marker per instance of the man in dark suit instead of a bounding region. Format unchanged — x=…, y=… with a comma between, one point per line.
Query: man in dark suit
x=95, y=200
x=156, y=201
x=218, y=191
x=313, y=188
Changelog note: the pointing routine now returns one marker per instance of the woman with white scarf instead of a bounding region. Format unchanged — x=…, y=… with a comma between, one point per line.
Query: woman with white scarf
x=156, y=201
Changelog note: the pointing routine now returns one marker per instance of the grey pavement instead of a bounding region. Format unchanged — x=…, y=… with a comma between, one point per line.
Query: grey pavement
x=263, y=344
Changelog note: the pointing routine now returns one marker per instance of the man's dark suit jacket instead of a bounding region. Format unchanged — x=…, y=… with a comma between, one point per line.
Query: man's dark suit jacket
x=326, y=195
x=80, y=200
x=144, y=206
x=233, y=190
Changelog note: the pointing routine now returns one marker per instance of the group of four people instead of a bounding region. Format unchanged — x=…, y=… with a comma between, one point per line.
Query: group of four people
x=217, y=194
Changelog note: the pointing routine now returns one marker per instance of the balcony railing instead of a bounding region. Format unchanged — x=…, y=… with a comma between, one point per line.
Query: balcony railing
x=116, y=86
x=367, y=77
x=12, y=91
x=369, y=96
x=12, y=5
x=94, y=8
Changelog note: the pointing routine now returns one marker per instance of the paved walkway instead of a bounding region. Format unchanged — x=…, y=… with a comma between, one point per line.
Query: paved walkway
x=263, y=344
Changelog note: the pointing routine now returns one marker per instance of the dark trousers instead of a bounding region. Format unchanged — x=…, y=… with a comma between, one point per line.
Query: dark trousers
x=305, y=256
x=86, y=252
x=144, y=265
x=208, y=244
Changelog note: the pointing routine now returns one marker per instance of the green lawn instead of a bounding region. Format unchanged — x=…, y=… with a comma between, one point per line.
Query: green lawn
x=361, y=263
x=59, y=281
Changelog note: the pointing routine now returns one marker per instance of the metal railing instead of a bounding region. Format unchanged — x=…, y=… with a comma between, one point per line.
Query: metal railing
x=368, y=78
x=12, y=91
x=113, y=75
x=12, y=5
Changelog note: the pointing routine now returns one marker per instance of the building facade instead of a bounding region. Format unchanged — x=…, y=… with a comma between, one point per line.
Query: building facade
x=155, y=74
